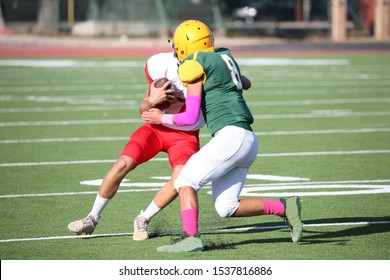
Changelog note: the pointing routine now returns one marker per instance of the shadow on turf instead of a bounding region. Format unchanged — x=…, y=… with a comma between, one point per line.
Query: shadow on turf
x=325, y=236
x=269, y=227
x=310, y=236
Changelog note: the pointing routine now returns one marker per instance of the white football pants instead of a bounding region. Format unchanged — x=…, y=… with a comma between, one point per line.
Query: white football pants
x=224, y=161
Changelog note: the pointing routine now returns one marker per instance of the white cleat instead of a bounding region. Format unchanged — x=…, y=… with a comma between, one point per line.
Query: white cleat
x=140, y=229
x=86, y=225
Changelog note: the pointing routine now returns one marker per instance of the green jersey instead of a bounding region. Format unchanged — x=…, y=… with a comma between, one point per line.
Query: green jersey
x=222, y=101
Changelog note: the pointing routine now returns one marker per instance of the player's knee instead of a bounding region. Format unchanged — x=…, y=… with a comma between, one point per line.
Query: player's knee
x=226, y=209
x=124, y=164
x=179, y=183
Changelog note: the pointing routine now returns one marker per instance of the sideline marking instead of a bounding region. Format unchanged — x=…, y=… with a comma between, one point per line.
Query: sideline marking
x=259, y=228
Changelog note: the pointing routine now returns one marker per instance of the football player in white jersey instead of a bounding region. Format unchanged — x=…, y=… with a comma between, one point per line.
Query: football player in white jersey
x=180, y=142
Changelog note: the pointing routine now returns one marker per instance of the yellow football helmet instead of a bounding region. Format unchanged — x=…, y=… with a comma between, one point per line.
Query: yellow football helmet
x=192, y=36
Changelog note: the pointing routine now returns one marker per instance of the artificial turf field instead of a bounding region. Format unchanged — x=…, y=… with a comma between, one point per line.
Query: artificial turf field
x=323, y=125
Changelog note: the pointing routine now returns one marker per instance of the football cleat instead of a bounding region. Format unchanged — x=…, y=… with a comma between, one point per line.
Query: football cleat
x=185, y=245
x=86, y=225
x=140, y=229
x=292, y=216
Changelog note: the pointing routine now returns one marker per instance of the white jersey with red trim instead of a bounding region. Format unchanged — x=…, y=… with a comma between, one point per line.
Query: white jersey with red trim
x=166, y=65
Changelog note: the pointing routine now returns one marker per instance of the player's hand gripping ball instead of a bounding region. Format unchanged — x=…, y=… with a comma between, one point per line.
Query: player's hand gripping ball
x=159, y=83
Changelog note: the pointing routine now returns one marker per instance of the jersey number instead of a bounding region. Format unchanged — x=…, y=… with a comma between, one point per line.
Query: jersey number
x=233, y=70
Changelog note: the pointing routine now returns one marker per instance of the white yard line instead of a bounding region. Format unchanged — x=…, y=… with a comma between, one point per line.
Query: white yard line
x=107, y=106
x=72, y=193
x=124, y=138
x=71, y=139
x=93, y=99
x=320, y=114
x=318, y=102
x=326, y=153
x=74, y=63
x=46, y=163
x=370, y=184
x=314, y=114
x=120, y=104
x=71, y=88
x=258, y=228
x=321, y=91
x=331, y=83
x=70, y=122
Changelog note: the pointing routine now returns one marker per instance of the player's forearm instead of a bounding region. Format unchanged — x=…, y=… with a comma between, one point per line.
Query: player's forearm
x=145, y=106
x=189, y=117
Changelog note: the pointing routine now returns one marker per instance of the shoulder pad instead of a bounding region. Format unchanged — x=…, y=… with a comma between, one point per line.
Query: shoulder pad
x=189, y=71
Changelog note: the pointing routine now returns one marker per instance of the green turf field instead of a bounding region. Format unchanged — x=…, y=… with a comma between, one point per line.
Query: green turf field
x=323, y=125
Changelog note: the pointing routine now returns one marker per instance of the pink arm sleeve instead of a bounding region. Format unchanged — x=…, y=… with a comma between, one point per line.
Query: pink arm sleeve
x=189, y=117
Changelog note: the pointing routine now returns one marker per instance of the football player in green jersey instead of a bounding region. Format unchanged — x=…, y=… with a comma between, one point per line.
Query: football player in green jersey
x=214, y=87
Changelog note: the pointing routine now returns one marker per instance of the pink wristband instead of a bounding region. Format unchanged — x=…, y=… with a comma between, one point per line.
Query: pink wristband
x=167, y=119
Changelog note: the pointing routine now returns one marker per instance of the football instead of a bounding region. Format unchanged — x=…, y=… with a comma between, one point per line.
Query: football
x=158, y=83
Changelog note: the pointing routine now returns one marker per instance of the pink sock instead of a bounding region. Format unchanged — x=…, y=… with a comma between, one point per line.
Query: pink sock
x=189, y=219
x=273, y=207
